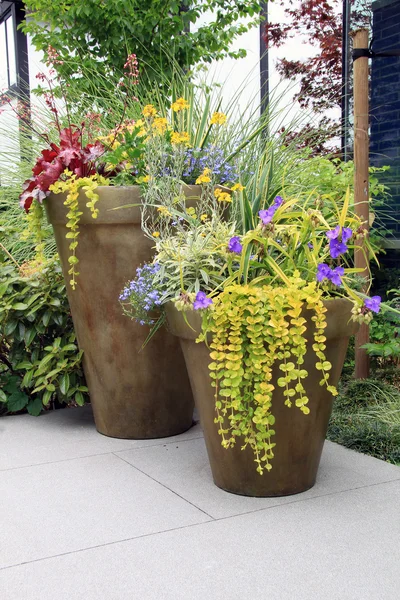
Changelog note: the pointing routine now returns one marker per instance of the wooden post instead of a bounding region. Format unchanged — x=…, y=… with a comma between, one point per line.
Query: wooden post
x=361, y=179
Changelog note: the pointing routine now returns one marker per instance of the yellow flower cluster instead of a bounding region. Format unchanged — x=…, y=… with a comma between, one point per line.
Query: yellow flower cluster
x=180, y=138
x=149, y=111
x=163, y=210
x=238, y=187
x=204, y=177
x=180, y=104
x=156, y=234
x=222, y=196
x=160, y=124
x=218, y=118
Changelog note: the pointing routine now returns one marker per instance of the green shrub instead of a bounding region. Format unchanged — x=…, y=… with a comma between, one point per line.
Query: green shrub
x=40, y=363
x=366, y=434
x=366, y=418
x=362, y=393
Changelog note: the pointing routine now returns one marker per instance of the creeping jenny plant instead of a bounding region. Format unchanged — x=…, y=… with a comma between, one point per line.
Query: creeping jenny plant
x=251, y=329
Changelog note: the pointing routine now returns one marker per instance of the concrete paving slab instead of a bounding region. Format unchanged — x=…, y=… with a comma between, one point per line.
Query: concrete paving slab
x=184, y=468
x=338, y=547
x=66, y=506
x=61, y=434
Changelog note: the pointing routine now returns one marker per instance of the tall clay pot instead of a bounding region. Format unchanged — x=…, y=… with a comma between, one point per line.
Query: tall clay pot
x=135, y=393
x=299, y=438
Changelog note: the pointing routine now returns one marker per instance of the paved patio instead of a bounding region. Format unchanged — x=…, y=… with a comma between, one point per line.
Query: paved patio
x=88, y=517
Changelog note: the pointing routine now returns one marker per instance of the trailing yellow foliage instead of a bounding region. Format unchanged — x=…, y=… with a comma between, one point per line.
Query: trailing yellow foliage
x=72, y=186
x=252, y=328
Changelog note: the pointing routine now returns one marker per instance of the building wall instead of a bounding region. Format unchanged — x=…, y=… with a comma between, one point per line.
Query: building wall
x=385, y=105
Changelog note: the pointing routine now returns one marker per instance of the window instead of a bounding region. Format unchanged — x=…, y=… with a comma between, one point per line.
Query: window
x=14, y=72
x=8, y=66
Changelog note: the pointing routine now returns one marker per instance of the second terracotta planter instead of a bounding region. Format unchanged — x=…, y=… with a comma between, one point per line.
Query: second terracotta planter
x=299, y=438
x=136, y=393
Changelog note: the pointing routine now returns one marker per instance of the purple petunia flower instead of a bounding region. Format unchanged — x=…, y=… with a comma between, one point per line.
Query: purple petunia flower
x=346, y=234
x=337, y=248
x=373, y=304
x=323, y=271
x=335, y=275
x=234, y=245
x=334, y=233
x=201, y=301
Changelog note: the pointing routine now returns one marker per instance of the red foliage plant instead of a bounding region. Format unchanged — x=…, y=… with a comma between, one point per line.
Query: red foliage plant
x=70, y=154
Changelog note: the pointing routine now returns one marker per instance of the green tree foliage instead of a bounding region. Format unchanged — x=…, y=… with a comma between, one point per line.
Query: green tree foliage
x=97, y=35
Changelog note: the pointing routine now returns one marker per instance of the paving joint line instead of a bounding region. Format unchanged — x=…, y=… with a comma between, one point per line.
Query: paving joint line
x=53, y=462
x=214, y=520
x=166, y=487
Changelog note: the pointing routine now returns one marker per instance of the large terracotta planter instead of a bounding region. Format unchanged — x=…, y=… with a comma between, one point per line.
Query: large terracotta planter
x=299, y=438
x=136, y=393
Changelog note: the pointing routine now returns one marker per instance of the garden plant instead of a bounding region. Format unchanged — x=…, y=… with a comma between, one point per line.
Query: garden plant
x=266, y=273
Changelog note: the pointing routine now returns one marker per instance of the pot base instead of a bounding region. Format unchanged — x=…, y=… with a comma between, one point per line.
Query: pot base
x=142, y=434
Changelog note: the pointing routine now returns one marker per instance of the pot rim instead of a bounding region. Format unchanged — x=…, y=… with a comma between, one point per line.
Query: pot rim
x=341, y=326
x=114, y=205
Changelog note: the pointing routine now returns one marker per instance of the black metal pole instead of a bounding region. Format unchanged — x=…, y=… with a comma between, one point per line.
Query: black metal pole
x=345, y=100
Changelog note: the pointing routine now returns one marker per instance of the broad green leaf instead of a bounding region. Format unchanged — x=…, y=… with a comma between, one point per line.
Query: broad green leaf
x=46, y=397
x=27, y=379
x=25, y=364
x=20, y=306
x=64, y=383
x=79, y=399
x=10, y=327
x=45, y=361
x=17, y=401
x=35, y=407
x=69, y=348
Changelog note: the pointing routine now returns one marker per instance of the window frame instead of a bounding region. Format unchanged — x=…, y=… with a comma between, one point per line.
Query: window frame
x=15, y=10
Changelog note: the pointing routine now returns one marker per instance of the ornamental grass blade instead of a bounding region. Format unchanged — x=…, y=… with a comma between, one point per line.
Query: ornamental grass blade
x=276, y=268
x=345, y=208
x=203, y=131
x=158, y=324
